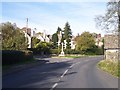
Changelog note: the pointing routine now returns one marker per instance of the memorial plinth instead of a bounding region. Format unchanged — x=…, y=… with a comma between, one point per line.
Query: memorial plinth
x=62, y=52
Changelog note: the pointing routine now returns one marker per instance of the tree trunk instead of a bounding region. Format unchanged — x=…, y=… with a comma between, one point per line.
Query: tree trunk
x=119, y=16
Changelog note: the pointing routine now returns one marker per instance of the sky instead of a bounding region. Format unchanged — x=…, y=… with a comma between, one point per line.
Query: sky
x=48, y=15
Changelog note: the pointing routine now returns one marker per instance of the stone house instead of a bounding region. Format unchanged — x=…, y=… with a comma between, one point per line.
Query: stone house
x=112, y=47
x=27, y=33
x=98, y=40
x=72, y=43
x=42, y=37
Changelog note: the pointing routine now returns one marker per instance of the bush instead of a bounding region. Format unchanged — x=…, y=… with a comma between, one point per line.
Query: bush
x=34, y=50
x=55, y=51
x=72, y=51
x=94, y=51
x=41, y=48
x=13, y=56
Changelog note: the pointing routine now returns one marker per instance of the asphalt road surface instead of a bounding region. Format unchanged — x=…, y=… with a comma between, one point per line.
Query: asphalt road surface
x=62, y=73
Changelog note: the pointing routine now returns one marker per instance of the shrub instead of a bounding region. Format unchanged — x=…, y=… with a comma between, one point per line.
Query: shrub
x=72, y=51
x=41, y=48
x=55, y=51
x=94, y=51
x=13, y=56
x=34, y=51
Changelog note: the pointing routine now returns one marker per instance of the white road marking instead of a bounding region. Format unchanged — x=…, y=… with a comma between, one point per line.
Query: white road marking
x=71, y=66
x=54, y=86
x=64, y=73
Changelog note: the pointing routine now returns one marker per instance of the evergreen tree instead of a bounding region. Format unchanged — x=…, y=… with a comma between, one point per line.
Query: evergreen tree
x=58, y=30
x=67, y=35
x=55, y=40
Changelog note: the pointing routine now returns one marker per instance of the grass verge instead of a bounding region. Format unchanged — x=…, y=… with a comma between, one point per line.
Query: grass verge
x=111, y=67
x=73, y=56
x=69, y=56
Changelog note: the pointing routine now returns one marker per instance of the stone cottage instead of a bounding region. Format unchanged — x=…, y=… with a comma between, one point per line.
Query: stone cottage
x=112, y=47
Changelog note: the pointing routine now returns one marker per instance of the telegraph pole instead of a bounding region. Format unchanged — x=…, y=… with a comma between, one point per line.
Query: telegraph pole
x=26, y=24
x=28, y=36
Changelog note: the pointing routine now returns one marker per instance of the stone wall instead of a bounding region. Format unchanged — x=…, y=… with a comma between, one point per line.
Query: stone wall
x=112, y=54
x=112, y=47
x=111, y=41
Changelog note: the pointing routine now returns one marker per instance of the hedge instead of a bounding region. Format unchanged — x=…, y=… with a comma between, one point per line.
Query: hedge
x=72, y=51
x=55, y=51
x=13, y=56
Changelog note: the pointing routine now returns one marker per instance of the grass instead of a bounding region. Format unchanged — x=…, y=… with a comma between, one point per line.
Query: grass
x=73, y=56
x=69, y=56
x=110, y=66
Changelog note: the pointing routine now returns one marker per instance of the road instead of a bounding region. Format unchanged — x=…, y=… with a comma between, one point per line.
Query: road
x=62, y=73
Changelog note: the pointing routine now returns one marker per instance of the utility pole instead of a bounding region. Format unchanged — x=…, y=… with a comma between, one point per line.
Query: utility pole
x=26, y=24
x=28, y=36
x=26, y=28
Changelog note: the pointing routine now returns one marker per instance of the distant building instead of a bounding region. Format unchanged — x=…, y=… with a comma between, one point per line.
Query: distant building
x=72, y=43
x=112, y=47
x=59, y=37
x=98, y=40
x=14, y=25
x=42, y=37
x=65, y=42
x=28, y=35
x=28, y=30
x=33, y=33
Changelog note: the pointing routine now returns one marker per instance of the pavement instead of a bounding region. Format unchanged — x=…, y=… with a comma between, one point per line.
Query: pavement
x=62, y=73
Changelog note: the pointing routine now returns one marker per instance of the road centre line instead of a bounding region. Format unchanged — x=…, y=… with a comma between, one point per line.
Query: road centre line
x=59, y=80
x=54, y=86
x=71, y=66
x=68, y=69
x=64, y=73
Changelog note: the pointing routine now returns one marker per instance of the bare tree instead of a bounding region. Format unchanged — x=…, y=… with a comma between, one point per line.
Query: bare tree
x=110, y=22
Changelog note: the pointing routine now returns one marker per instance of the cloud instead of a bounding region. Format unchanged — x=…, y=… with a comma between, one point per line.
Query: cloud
x=48, y=16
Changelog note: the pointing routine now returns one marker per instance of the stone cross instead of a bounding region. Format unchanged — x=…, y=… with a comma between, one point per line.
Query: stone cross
x=62, y=47
x=62, y=52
